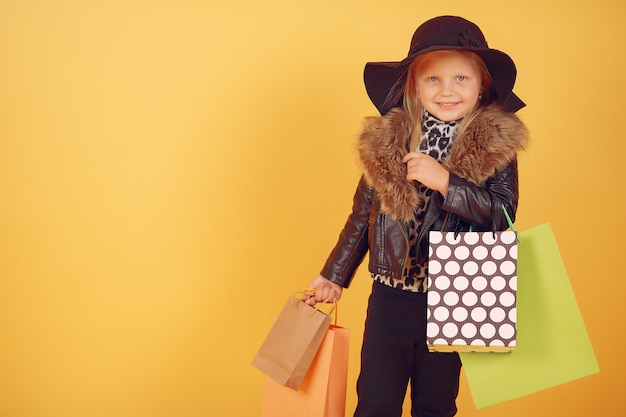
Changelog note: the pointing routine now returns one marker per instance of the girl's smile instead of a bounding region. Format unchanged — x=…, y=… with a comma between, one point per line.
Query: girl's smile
x=447, y=105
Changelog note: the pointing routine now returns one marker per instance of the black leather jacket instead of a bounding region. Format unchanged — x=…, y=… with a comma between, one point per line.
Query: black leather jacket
x=386, y=239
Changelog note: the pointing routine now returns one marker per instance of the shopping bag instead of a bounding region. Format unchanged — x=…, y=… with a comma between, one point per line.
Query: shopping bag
x=553, y=345
x=472, y=286
x=323, y=390
x=292, y=342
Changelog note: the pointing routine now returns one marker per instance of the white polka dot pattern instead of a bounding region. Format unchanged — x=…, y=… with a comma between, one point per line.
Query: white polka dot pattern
x=472, y=287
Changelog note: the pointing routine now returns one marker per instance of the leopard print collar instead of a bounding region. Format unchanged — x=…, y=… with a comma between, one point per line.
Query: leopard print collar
x=437, y=136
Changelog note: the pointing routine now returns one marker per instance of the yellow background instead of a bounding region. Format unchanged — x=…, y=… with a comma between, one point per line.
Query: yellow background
x=170, y=171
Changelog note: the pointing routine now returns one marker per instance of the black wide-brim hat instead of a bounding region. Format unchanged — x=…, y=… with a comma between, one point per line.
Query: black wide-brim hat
x=437, y=34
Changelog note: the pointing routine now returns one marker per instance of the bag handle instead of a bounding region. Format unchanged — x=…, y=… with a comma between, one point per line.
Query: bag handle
x=334, y=309
x=508, y=220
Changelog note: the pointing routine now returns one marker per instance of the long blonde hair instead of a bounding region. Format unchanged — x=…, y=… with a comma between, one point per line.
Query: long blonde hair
x=413, y=106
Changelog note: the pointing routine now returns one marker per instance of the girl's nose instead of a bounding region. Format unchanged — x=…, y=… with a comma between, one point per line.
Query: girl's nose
x=446, y=87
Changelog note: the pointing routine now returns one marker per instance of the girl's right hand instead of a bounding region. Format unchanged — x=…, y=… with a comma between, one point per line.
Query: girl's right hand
x=325, y=290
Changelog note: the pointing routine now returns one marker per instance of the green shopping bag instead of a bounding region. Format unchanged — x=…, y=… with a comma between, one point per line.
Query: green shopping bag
x=552, y=342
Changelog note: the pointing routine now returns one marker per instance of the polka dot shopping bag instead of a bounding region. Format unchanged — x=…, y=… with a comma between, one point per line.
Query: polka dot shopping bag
x=472, y=291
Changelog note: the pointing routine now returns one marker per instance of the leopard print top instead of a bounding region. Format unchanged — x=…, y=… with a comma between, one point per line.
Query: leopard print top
x=436, y=141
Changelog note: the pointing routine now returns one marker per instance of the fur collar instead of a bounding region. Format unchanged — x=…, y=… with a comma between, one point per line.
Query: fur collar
x=488, y=144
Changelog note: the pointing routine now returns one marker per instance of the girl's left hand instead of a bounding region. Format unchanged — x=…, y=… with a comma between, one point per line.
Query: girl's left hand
x=425, y=169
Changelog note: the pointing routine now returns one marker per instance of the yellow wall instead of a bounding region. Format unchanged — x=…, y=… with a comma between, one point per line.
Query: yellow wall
x=170, y=171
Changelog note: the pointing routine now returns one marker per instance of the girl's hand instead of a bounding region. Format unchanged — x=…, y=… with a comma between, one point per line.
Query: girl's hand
x=425, y=169
x=325, y=290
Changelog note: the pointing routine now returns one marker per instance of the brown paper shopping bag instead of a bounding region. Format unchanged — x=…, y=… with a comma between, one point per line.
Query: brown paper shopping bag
x=323, y=391
x=292, y=343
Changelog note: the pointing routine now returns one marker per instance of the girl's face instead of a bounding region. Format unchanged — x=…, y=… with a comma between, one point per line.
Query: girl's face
x=448, y=84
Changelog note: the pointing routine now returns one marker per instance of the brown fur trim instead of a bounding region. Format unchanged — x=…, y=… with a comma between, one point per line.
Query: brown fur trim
x=487, y=144
x=381, y=147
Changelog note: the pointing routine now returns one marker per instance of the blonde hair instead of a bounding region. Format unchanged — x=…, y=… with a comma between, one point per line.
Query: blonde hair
x=413, y=106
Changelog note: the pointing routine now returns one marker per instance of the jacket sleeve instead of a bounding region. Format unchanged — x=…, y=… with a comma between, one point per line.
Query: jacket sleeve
x=352, y=244
x=481, y=205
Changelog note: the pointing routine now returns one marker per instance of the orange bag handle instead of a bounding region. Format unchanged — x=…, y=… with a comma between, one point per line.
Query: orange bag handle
x=309, y=292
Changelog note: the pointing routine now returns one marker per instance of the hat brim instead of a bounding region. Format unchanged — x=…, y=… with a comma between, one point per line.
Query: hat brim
x=380, y=77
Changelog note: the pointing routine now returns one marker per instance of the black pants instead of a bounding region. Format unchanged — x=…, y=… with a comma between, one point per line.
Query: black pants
x=394, y=353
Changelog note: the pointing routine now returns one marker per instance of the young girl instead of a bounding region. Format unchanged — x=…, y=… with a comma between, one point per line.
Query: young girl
x=442, y=156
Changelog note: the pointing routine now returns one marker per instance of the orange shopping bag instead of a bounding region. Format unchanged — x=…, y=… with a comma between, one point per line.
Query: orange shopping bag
x=323, y=390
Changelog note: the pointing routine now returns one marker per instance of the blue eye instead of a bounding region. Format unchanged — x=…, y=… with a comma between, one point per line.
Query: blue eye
x=433, y=79
x=461, y=78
